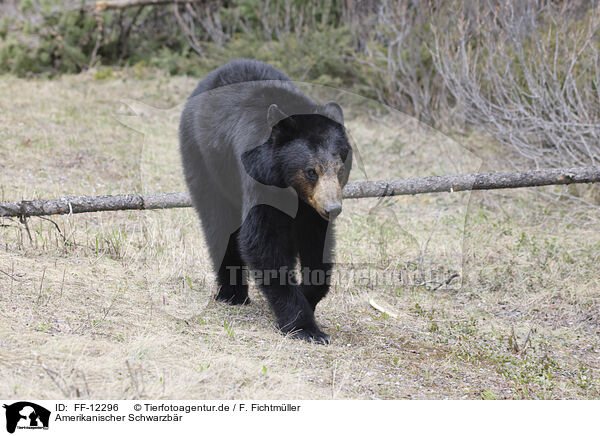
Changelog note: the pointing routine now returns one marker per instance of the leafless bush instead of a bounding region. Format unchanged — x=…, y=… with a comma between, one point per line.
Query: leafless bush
x=402, y=73
x=201, y=21
x=528, y=72
x=271, y=19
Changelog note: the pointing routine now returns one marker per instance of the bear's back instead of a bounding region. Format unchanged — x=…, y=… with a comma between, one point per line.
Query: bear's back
x=238, y=71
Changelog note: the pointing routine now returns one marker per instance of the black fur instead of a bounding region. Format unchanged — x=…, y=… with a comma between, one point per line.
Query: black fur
x=247, y=137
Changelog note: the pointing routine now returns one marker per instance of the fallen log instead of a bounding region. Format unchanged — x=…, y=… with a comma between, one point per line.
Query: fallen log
x=382, y=188
x=124, y=4
x=100, y=203
x=473, y=182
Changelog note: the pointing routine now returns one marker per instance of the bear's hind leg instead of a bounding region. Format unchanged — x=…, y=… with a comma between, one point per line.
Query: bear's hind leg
x=230, y=277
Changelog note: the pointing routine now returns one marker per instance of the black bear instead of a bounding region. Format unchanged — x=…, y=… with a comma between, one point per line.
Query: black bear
x=265, y=166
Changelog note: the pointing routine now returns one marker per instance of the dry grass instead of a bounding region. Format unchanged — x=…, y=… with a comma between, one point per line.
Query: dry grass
x=118, y=305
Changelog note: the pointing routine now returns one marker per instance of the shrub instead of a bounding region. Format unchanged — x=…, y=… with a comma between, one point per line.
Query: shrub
x=529, y=74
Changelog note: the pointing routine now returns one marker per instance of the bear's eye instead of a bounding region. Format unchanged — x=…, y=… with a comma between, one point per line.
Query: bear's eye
x=311, y=173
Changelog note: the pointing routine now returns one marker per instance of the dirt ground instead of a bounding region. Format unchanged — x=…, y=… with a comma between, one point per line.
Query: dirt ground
x=488, y=296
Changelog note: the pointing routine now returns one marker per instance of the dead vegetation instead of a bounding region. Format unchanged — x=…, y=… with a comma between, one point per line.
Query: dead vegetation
x=495, y=295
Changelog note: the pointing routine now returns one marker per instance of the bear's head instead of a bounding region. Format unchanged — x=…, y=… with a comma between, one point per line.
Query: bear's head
x=308, y=152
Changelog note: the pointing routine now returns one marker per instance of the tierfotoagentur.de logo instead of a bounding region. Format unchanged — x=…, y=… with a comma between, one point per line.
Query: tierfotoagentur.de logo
x=26, y=415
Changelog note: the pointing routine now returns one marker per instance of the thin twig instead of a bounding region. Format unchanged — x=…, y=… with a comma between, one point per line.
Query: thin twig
x=62, y=284
x=60, y=232
x=11, y=275
x=54, y=375
x=23, y=219
x=41, y=285
x=134, y=381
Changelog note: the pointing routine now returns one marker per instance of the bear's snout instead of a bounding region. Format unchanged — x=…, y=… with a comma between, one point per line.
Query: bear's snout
x=327, y=196
x=333, y=210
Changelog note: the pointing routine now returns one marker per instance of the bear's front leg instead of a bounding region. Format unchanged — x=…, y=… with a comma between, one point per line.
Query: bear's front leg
x=267, y=246
x=293, y=312
x=315, y=245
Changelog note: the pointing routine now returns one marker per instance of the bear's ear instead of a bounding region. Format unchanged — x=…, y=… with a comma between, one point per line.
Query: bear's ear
x=347, y=167
x=276, y=115
x=259, y=163
x=333, y=111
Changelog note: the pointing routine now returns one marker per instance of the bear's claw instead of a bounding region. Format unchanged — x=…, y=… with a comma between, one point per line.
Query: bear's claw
x=317, y=337
x=233, y=300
